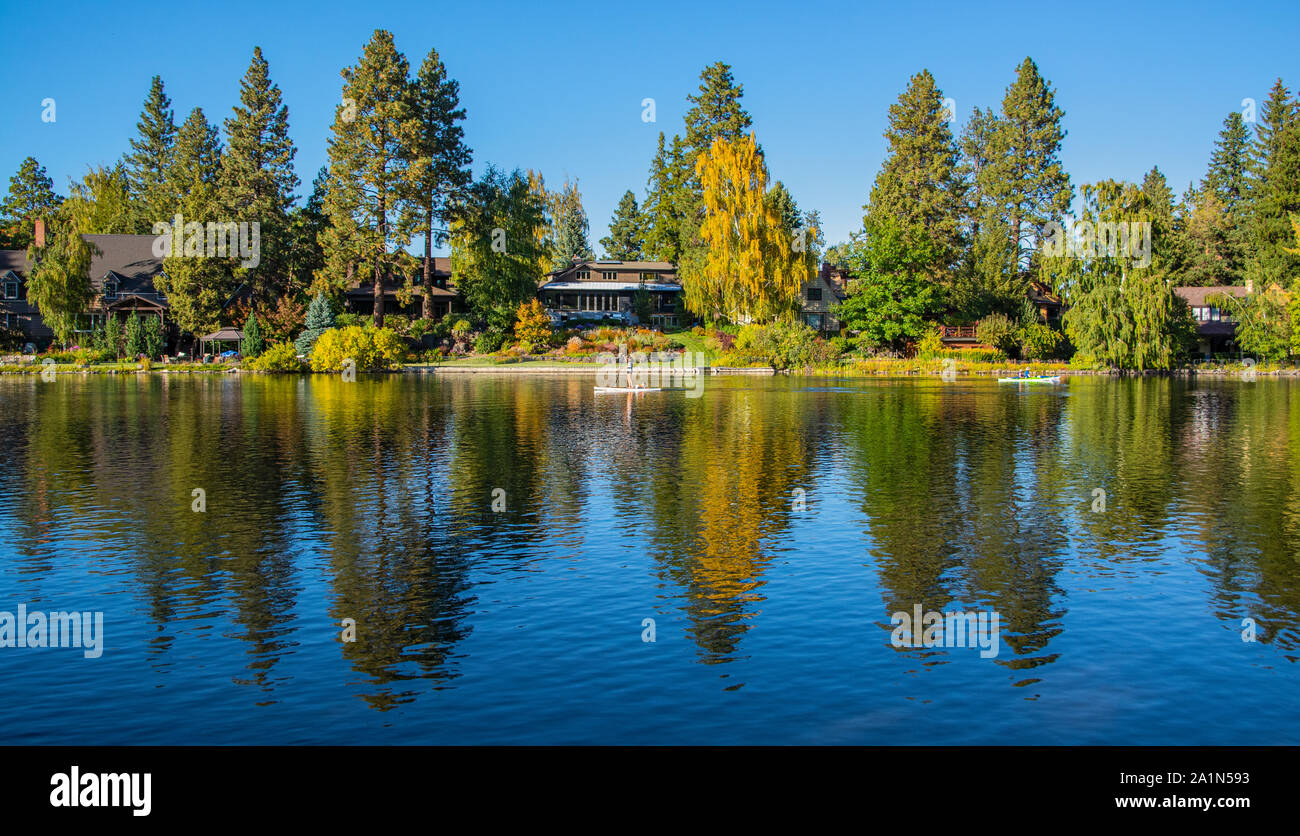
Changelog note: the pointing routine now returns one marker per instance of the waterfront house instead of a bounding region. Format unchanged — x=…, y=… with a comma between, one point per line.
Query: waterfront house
x=819, y=297
x=122, y=273
x=589, y=289
x=1216, y=329
x=359, y=297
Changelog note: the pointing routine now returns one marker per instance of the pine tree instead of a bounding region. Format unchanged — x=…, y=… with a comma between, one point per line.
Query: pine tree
x=988, y=278
x=31, y=197
x=1026, y=180
x=1275, y=192
x=306, y=225
x=371, y=148
x=257, y=177
x=569, y=228
x=320, y=318
x=625, y=241
x=150, y=158
x=918, y=185
x=668, y=204
x=441, y=171
x=197, y=284
x=715, y=111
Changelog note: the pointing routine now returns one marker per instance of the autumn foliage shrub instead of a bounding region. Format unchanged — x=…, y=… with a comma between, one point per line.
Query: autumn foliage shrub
x=371, y=349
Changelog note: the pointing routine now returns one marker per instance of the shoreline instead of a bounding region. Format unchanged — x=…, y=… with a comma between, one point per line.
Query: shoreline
x=581, y=369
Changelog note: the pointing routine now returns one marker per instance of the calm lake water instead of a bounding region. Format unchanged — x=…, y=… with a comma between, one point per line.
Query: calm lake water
x=770, y=528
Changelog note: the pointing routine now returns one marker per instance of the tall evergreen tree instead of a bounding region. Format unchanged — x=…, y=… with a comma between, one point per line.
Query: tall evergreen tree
x=370, y=150
x=197, y=284
x=257, y=177
x=150, y=158
x=668, y=204
x=715, y=111
x=441, y=170
x=31, y=197
x=918, y=185
x=1275, y=192
x=1027, y=181
x=625, y=241
x=570, y=227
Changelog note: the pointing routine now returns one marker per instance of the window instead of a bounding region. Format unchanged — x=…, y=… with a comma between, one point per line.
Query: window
x=648, y=277
x=813, y=294
x=1214, y=314
x=583, y=275
x=609, y=276
x=11, y=290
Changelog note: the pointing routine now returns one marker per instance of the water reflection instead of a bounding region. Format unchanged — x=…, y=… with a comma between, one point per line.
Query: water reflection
x=399, y=501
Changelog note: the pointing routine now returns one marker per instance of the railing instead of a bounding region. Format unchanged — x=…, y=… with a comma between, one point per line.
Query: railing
x=958, y=332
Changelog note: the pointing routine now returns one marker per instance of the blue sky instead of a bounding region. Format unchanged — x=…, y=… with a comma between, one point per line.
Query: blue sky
x=558, y=87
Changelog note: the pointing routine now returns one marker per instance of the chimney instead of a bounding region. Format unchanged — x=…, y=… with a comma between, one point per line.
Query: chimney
x=1250, y=285
x=40, y=232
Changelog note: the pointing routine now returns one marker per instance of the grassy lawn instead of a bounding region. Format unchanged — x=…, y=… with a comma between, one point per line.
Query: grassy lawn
x=693, y=342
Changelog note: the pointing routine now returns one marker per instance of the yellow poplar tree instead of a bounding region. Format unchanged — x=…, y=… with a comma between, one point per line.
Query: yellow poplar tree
x=750, y=269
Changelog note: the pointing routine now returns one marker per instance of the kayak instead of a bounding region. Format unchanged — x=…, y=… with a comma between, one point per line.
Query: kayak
x=603, y=389
x=1043, y=379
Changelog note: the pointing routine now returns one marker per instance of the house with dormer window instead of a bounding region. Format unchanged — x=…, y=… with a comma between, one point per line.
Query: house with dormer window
x=122, y=273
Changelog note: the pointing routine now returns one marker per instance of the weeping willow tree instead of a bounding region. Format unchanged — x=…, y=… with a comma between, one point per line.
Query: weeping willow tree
x=1115, y=278
x=750, y=268
x=59, y=284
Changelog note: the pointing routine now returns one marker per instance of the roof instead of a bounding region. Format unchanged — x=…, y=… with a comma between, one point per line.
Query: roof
x=15, y=260
x=607, y=286
x=128, y=257
x=1195, y=296
x=619, y=266
x=225, y=335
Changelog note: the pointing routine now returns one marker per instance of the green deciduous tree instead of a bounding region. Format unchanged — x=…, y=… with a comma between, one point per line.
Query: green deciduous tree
x=59, y=283
x=101, y=202
x=495, y=250
x=892, y=295
x=1122, y=312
